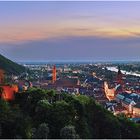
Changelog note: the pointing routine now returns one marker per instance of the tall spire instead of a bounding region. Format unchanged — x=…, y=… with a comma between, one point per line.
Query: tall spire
x=119, y=76
x=119, y=70
x=54, y=74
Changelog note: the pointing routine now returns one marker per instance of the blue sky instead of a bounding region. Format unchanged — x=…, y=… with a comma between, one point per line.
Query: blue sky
x=42, y=31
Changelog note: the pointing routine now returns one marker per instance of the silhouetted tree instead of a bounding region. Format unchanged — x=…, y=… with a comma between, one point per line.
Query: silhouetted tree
x=68, y=132
x=42, y=132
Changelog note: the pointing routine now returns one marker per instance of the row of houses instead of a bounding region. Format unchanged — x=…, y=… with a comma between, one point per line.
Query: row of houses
x=131, y=101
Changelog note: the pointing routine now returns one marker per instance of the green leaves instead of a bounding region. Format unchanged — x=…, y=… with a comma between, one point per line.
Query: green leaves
x=10, y=67
x=42, y=132
x=68, y=132
x=38, y=114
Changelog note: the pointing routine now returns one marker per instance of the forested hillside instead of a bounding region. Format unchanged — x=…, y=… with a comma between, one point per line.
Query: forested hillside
x=9, y=66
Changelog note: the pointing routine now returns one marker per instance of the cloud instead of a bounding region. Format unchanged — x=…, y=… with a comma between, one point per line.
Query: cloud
x=135, y=33
x=73, y=47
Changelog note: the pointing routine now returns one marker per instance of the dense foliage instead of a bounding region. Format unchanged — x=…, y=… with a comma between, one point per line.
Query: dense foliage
x=10, y=67
x=40, y=113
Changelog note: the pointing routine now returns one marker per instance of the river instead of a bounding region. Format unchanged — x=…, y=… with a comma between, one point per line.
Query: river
x=115, y=69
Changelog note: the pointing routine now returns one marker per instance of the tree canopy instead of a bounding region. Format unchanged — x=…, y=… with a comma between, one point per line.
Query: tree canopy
x=33, y=115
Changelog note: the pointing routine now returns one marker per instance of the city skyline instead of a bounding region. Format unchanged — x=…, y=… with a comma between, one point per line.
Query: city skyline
x=44, y=31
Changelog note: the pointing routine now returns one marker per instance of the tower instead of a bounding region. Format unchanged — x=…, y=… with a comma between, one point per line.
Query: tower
x=54, y=74
x=119, y=77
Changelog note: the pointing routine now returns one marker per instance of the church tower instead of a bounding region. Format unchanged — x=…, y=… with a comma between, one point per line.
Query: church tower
x=119, y=77
x=54, y=74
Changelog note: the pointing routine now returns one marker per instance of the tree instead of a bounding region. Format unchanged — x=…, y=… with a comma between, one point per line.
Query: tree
x=31, y=113
x=44, y=108
x=42, y=132
x=129, y=129
x=4, y=110
x=102, y=122
x=33, y=97
x=68, y=132
x=61, y=114
x=51, y=95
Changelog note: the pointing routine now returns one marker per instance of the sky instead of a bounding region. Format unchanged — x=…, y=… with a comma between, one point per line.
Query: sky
x=45, y=31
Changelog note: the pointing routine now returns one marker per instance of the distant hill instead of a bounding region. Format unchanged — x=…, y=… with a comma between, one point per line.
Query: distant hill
x=10, y=67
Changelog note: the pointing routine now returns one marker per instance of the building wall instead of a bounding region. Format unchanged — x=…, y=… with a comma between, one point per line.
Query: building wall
x=136, y=111
x=110, y=93
x=8, y=92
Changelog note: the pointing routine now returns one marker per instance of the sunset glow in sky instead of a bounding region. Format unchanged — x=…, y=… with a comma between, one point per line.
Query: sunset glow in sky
x=41, y=31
